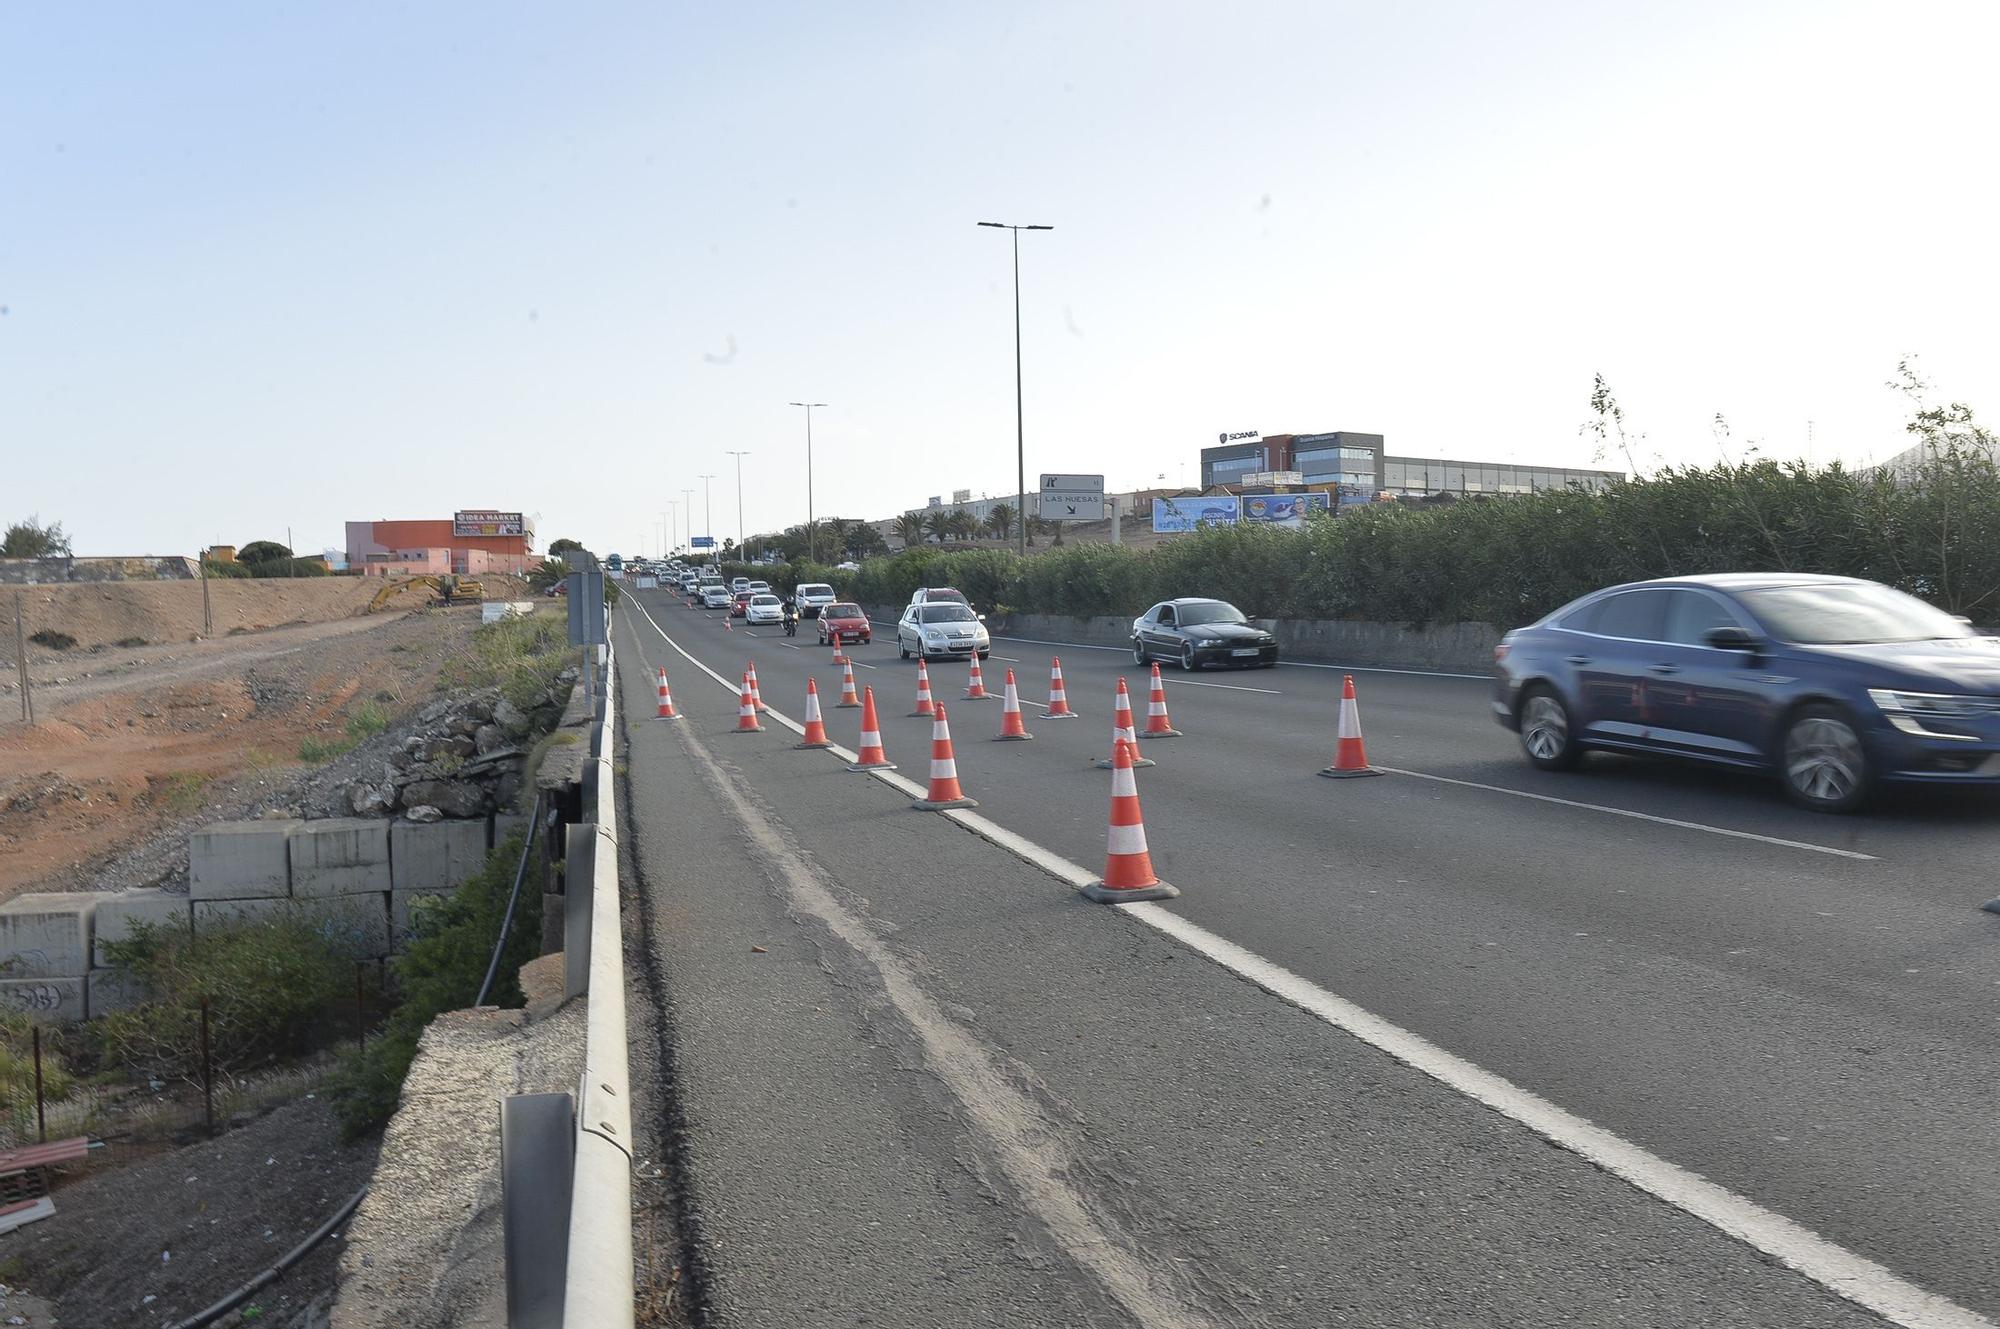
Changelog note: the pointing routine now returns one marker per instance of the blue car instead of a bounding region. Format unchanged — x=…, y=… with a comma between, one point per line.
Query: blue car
x=1833, y=684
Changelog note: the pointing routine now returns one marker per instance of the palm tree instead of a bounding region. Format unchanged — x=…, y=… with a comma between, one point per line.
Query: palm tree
x=910, y=530
x=964, y=525
x=1001, y=520
x=940, y=524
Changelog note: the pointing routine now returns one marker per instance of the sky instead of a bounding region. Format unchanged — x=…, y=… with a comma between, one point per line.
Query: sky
x=269, y=267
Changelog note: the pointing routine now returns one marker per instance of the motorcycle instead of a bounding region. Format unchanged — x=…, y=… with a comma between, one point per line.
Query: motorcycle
x=791, y=625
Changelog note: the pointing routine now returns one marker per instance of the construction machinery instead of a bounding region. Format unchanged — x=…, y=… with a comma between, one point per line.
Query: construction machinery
x=448, y=590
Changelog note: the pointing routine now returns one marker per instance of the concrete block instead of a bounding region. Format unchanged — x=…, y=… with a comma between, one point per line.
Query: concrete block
x=119, y=911
x=504, y=825
x=435, y=856
x=113, y=990
x=356, y=925
x=340, y=856
x=236, y=860
x=49, y=999
x=46, y=935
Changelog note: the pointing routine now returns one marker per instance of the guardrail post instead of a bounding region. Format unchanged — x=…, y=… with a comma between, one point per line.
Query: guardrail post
x=579, y=874
x=537, y=1168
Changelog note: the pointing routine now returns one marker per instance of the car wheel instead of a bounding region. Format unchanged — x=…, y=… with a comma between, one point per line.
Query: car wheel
x=986, y=654
x=1546, y=733
x=1823, y=762
x=1138, y=651
x=1187, y=657
x=902, y=651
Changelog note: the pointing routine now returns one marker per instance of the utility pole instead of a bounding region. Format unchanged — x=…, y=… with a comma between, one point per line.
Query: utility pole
x=207, y=615
x=1020, y=446
x=21, y=656
x=708, y=514
x=740, y=553
x=812, y=529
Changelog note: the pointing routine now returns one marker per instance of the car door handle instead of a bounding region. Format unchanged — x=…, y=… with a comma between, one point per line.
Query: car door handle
x=1666, y=669
x=1578, y=659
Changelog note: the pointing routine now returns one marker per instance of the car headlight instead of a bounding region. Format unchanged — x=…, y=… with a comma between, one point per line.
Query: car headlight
x=1945, y=704
x=1209, y=641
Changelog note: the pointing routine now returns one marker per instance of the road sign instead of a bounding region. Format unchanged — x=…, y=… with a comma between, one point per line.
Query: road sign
x=703, y=542
x=1072, y=484
x=1072, y=504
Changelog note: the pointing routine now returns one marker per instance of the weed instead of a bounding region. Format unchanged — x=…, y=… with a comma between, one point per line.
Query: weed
x=316, y=750
x=180, y=793
x=55, y=641
x=366, y=719
x=130, y=642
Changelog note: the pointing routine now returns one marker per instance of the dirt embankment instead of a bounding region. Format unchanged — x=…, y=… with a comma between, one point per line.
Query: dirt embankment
x=107, y=613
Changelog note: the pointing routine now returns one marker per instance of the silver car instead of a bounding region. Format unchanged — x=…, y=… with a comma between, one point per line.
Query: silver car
x=946, y=630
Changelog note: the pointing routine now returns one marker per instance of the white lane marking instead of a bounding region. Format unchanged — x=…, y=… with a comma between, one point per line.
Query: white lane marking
x=1282, y=664
x=1798, y=1248
x=1833, y=1267
x=1640, y=816
x=1232, y=687
x=788, y=646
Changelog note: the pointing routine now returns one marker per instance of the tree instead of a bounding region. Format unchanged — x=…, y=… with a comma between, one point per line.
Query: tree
x=263, y=551
x=31, y=539
x=966, y=526
x=549, y=573
x=910, y=530
x=939, y=525
x=1001, y=520
x=557, y=548
x=864, y=541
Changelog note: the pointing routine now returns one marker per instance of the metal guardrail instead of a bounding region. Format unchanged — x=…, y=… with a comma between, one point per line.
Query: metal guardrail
x=593, y=1288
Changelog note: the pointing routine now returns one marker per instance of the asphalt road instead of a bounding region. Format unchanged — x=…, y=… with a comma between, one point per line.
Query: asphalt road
x=1800, y=1009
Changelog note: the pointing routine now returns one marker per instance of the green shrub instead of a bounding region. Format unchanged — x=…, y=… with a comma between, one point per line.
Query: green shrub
x=446, y=959
x=365, y=719
x=317, y=750
x=55, y=641
x=520, y=656
x=17, y=1067
x=274, y=988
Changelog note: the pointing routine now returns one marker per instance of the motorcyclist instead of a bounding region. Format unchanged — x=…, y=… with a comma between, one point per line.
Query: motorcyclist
x=791, y=619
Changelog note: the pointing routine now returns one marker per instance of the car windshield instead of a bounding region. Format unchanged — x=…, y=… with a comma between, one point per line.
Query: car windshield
x=767, y=601
x=1849, y=614
x=843, y=611
x=1209, y=611
x=937, y=593
x=947, y=614
x=815, y=588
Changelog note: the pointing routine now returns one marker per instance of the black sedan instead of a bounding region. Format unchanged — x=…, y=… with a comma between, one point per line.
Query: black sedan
x=1193, y=633
x=1833, y=684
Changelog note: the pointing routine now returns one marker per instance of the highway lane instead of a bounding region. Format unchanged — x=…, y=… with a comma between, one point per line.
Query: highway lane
x=1813, y=1030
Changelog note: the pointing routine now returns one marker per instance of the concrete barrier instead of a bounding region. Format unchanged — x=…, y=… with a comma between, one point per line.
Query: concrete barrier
x=240, y=859
x=119, y=913
x=355, y=924
x=340, y=856
x=47, y=998
x=109, y=990
x=435, y=856
x=46, y=935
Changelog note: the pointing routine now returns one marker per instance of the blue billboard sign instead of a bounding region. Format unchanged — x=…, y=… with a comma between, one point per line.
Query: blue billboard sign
x=1184, y=514
x=703, y=542
x=1282, y=509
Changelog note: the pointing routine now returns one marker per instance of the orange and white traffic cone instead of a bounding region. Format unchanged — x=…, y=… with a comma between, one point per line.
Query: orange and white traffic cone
x=815, y=736
x=944, y=791
x=1157, y=724
x=975, y=690
x=871, y=757
x=755, y=695
x=1058, y=699
x=847, y=698
x=746, y=712
x=1121, y=732
x=1128, y=864
x=1350, y=757
x=1011, y=725
x=667, y=711
x=728, y=623
x=923, y=689
x=838, y=658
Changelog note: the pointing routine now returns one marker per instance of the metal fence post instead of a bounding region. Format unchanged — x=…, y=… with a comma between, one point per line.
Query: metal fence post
x=537, y=1170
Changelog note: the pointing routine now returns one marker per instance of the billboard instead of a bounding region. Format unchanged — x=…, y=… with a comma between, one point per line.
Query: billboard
x=1282, y=509
x=485, y=522
x=1184, y=514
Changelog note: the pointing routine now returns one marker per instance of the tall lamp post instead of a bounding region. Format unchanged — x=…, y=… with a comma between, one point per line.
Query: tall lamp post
x=1020, y=446
x=708, y=517
x=741, y=552
x=812, y=530
x=687, y=506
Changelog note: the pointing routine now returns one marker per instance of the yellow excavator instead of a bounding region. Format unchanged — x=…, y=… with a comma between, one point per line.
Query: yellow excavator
x=450, y=590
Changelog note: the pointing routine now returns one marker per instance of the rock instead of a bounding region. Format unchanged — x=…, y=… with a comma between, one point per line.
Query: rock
x=480, y=707
x=424, y=812
x=506, y=790
x=454, y=798
x=568, y=676
x=463, y=726
x=490, y=738
x=413, y=744
x=400, y=760
x=511, y=718
x=281, y=814
x=463, y=745
x=367, y=800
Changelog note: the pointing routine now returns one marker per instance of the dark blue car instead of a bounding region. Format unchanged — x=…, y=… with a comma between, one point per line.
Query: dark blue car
x=1831, y=683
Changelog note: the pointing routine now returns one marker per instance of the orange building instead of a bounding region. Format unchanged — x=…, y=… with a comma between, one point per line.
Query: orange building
x=468, y=543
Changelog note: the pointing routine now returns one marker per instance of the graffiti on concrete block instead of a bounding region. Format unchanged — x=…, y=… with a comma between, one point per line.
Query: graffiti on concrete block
x=36, y=998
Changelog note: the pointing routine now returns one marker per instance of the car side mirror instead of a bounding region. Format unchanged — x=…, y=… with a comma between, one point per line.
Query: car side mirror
x=1730, y=639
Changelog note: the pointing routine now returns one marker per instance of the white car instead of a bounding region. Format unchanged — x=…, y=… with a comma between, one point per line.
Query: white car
x=764, y=608
x=937, y=595
x=739, y=583
x=714, y=595
x=758, y=587
x=811, y=597
x=949, y=630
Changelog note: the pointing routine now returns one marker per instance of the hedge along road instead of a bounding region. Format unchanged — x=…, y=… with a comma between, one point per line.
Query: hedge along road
x=1805, y=1010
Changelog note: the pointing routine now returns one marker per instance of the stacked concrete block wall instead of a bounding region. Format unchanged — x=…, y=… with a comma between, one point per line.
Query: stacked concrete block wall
x=120, y=916
x=45, y=946
x=429, y=859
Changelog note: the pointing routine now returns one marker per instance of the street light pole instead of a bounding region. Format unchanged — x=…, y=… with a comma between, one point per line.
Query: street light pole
x=1020, y=445
x=740, y=551
x=708, y=517
x=812, y=530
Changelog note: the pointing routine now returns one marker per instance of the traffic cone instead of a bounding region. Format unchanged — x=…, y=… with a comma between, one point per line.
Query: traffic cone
x=667, y=711
x=728, y=623
x=746, y=712
x=815, y=727
x=975, y=690
x=923, y=689
x=1128, y=864
x=1058, y=699
x=944, y=791
x=1121, y=732
x=1157, y=724
x=1350, y=758
x=755, y=695
x=871, y=757
x=1010, y=713
x=848, y=700
x=838, y=658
